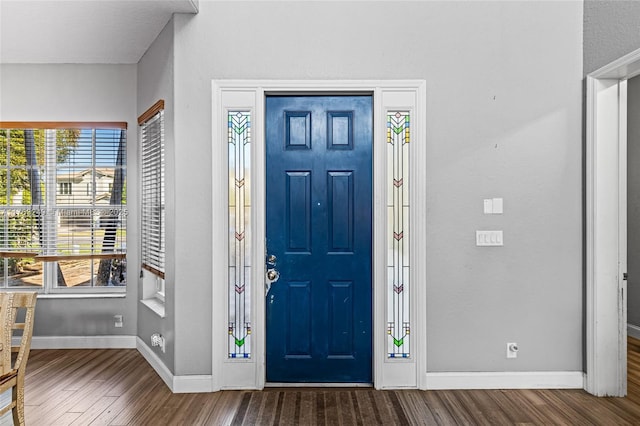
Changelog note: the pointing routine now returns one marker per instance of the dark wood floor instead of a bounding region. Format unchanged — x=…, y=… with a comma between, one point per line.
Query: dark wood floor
x=118, y=387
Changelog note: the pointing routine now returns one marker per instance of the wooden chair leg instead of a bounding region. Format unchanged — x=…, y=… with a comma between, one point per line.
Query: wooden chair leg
x=18, y=410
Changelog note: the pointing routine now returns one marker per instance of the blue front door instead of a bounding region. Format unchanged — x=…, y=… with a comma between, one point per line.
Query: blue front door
x=318, y=227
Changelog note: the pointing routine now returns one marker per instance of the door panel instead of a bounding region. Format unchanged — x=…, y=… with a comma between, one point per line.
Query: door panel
x=319, y=215
x=341, y=206
x=298, y=219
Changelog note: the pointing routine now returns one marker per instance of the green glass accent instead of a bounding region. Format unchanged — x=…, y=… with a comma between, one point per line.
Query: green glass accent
x=239, y=130
x=398, y=342
x=398, y=130
x=240, y=342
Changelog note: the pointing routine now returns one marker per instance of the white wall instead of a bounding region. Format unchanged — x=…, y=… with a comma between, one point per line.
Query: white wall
x=80, y=93
x=155, y=82
x=503, y=120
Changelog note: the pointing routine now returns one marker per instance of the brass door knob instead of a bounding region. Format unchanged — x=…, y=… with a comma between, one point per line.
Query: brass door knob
x=272, y=275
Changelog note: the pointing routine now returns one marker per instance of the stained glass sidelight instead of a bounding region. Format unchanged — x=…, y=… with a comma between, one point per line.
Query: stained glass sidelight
x=239, y=152
x=398, y=290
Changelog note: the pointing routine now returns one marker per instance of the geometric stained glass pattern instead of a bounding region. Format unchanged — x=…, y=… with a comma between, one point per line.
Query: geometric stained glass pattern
x=398, y=288
x=239, y=152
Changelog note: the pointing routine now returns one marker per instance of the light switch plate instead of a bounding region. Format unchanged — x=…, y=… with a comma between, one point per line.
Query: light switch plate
x=493, y=205
x=488, y=206
x=489, y=238
x=497, y=205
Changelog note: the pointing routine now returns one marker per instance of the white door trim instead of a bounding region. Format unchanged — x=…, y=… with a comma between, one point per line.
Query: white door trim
x=606, y=230
x=249, y=95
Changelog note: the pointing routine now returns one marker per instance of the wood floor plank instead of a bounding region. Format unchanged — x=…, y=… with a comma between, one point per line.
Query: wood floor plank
x=438, y=409
x=288, y=416
x=58, y=382
x=569, y=412
x=113, y=387
x=330, y=408
x=223, y=412
x=307, y=410
x=138, y=389
x=253, y=408
x=492, y=411
x=144, y=403
x=416, y=410
x=66, y=419
x=94, y=411
x=599, y=411
x=546, y=413
x=456, y=408
x=196, y=412
x=49, y=410
x=368, y=412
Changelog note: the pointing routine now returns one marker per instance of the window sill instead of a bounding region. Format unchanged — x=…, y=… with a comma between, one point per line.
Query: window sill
x=155, y=305
x=77, y=295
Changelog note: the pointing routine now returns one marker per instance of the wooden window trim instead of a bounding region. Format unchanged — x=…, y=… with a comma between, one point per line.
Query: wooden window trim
x=18, y=254
x=81, y=257
x=54, y=258
x=153, y=270
x=155, y=108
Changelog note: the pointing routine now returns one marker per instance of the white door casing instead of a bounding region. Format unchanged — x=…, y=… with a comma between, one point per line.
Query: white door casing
x=606, y=226
x=249, y=95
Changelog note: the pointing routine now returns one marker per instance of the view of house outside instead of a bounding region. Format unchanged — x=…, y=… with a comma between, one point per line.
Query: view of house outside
x=62, y=194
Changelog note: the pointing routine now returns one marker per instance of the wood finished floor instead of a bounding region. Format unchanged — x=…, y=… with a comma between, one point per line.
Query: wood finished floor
x=118, y=387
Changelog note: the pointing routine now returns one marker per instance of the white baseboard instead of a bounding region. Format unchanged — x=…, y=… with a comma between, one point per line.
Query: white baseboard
x=83, y=342
x=435, y=381
x=155, y=362
x=192, y=384
x=633, y=331
x=506, y=380
x=177, y=384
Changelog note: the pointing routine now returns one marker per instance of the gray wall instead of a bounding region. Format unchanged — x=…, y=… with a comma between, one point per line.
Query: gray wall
x=633, y=201
x=155, y=81
x=80, y=93
x=503, y=120
x=611, y=30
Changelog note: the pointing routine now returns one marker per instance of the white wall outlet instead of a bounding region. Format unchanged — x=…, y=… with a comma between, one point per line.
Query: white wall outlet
x=512, y=350
x=118, y=322
x=157, y=339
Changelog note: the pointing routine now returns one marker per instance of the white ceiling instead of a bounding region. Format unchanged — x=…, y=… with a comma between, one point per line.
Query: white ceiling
x=83, y=31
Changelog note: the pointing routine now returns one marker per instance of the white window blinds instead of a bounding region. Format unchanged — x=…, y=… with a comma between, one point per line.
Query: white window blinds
x=63, y=199
x=45, y=208
x=152, y=191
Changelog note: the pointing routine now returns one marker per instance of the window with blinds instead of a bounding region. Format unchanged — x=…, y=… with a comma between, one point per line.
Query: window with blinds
x=63, y=205
x=152, y=192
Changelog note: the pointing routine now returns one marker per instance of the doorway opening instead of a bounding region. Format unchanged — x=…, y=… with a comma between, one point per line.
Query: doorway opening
x=606, y=226
x=240, y=152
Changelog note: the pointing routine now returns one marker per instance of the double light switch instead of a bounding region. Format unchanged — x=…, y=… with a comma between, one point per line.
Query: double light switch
x=491, y=238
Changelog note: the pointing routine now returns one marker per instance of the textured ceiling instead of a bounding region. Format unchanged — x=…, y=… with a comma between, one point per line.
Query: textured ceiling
x=83, y=31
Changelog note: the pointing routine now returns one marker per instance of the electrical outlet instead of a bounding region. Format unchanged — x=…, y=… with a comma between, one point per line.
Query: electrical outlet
x=157, y=339
x=512, y=350
x=118, y=321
